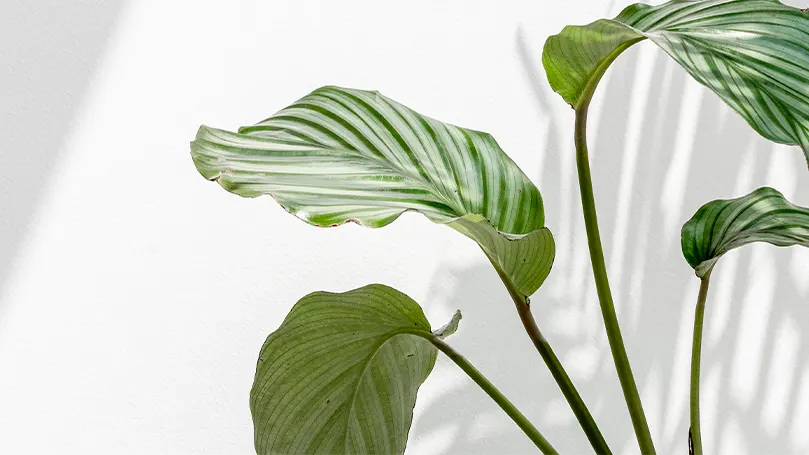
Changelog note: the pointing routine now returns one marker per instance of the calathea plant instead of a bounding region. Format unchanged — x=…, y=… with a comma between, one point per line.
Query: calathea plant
x=341, y=373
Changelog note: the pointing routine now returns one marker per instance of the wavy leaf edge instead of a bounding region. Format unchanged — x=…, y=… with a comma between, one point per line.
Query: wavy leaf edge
x=763, y=215
x=772, y=107
x=216, y=152
x=393, y=315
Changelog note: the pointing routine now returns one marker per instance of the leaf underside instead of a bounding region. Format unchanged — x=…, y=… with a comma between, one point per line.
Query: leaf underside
x=341, y=373
x=754, y=54
x=340, y=155
x=722, y=225
x=526, y=260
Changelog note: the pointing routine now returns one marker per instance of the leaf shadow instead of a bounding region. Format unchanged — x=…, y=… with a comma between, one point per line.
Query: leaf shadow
x=655, y=160
x=491, y=337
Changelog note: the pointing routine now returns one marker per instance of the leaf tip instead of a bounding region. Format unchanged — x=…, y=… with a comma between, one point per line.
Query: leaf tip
x=450, y=327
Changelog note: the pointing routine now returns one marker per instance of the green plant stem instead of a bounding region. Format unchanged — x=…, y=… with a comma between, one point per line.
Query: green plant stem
x=696, y=357
x=630, y=389
x=525, y=425
x=558, y=372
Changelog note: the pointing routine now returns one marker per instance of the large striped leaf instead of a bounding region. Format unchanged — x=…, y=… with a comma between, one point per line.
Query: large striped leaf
x=340, y=155
x=754, y=54
x=761, y=216
x=340, y=374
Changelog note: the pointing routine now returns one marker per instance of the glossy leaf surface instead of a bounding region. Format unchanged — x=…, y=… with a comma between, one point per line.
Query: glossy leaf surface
x=754, y=54
x=761, y=216
x=341, y=373
x=340, y=155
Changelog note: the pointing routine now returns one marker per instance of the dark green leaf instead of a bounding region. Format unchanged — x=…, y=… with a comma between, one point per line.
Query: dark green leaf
x=761, y=216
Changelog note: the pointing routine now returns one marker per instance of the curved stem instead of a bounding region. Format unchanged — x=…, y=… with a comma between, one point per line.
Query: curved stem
x=696, y=357
x=630, y=389
x=558, y=372
x=525, y=425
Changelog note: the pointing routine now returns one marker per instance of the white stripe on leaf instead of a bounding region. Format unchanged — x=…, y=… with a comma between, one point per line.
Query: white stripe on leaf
x=754, y=54
x=342, y=155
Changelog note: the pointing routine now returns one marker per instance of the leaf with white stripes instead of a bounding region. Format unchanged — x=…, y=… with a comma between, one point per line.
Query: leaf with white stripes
x=722, y=225
x=341, y=373
x=339, y=155
x=754, y=54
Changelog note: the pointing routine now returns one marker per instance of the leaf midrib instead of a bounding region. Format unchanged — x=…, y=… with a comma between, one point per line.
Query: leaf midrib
x=386, y=337
x=418, y=181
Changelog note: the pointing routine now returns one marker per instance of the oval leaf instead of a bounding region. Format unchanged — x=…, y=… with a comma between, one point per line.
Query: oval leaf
x=340, y=374
x=340, y=155
x=761, y=216
x=754, y=54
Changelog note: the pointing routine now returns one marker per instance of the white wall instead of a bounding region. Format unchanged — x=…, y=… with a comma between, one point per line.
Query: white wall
x=134, y=295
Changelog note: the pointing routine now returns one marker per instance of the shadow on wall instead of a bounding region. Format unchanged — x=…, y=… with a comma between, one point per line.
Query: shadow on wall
x=50, y=50
x=643, y=198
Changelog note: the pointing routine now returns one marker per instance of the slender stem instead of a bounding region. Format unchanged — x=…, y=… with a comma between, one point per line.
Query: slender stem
x=525, y=425
x=631, y=395
x=558, y=372
x=696, y=357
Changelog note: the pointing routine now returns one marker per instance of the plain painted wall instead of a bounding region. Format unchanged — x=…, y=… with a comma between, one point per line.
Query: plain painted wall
x=134, y=295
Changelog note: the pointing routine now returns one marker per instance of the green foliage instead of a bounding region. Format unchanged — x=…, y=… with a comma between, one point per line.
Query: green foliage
x=339, y=155
x=524, y=260
x=754, y=54
x=340, y=374
x=722, y=225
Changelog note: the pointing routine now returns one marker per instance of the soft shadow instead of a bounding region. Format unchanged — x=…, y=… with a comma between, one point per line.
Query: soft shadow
x=653, y=287
x=493, y=340
x=653, y=273
x=50, y=50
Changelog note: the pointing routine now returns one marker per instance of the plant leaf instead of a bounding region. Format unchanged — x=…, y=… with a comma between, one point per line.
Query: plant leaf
x=341, y=373
x=754, y=54
x=340, y=155
x=450, y=327
x=722, y=225
x=525, y=260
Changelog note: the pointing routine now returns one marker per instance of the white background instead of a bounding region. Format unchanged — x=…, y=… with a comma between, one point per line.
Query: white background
x=134, y=295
